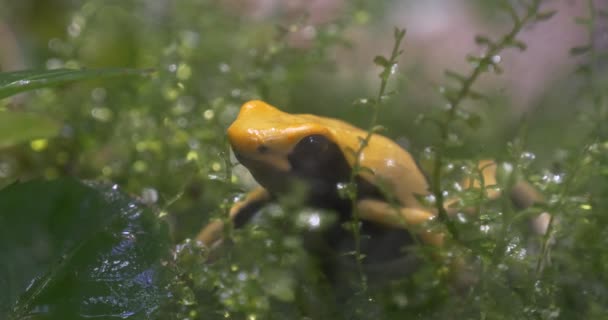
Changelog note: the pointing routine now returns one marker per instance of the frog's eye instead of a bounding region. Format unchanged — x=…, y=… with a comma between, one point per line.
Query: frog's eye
x=316, y=155
x=311, y=145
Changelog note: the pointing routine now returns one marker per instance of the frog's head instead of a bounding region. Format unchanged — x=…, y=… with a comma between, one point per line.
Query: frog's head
x=276, y=146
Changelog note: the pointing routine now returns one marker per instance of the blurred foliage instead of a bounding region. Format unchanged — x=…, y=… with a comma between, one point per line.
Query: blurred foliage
x=162, y=139
x=79, y=251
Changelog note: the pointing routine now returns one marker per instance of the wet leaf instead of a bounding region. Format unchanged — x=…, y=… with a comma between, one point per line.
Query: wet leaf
x=19, y=81
x=78, y=251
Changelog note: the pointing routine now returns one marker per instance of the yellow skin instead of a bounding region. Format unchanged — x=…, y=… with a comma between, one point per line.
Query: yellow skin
x=263, y=137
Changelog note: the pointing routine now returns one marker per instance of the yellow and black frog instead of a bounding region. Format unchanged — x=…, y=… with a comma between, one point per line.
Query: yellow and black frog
x=279, y=149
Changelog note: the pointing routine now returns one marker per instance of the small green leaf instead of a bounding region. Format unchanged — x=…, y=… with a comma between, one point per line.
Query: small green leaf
x=473, y=59
x=378, y=128
x=583, y=69
x=475, y=95
x=518, y=44
x=473, y=121
x=366, y=170
x=455, y=75
x=483, y=40
x=381, y=61
x=543, y=16
x=350, y=151
x=398, y=33
x=19, y=81
x=449, y=94
x=579, y=50
x=17, y=127
x=511, y=11
x=582, y=21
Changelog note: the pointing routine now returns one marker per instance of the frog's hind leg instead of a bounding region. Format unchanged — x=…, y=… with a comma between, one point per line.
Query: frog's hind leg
x=240, y=214
x=408, y=218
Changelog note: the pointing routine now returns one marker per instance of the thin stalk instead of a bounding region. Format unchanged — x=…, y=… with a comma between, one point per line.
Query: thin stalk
x=493, y=50
x=356, y=169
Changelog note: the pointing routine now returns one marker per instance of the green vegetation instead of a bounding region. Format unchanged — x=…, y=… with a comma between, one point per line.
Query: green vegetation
x=115, y=156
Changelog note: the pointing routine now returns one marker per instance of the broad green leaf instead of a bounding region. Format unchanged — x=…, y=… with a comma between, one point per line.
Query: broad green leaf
x=19, y=81
x=382, y=61
x=73, y=251
x=18, y=127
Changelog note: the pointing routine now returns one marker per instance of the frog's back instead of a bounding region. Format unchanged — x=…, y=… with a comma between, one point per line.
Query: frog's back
x=392, y=165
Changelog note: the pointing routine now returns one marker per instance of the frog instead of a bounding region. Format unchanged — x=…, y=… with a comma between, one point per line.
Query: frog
x=279, y=148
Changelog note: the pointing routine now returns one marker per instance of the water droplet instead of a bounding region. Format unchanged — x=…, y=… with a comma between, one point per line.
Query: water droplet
x=140, y=166
x=183, y=72
x=496, y=59
x=484, y=228
x=172, y=67
x=526, y=158
x=102, y=114
x=54, y=63
x=553, y=178
x=428, y=153
x=461, y=217
x=224, y=67
x=394, y=68
x=98, y=94
x=191, y=156
x=208, y=114
x=149, y=195
x=39, y=144
x=74, y=29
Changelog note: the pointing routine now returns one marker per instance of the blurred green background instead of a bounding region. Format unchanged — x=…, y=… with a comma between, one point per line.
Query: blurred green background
x=161, y=137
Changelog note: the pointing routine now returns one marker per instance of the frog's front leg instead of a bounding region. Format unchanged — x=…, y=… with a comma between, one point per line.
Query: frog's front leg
x=408, y=218
x=240, y=214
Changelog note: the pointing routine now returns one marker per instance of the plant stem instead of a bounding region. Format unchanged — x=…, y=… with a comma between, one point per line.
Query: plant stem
x=493, y=50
